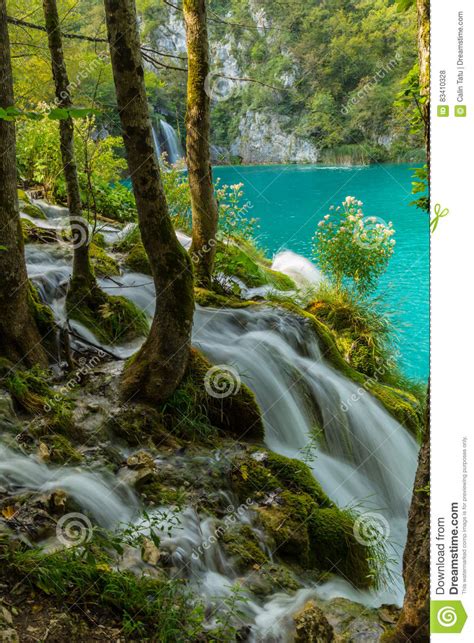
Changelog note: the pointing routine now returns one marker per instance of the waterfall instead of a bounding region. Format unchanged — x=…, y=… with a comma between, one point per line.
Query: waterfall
x=166, y=140
x=171, y=142
x=156, y=142
x=366, y=456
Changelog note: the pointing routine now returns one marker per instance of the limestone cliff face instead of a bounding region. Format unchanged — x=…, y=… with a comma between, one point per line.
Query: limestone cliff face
x=263, y=139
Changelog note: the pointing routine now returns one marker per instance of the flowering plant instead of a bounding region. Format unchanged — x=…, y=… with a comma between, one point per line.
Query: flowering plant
x=233, y=220
x=350, y=246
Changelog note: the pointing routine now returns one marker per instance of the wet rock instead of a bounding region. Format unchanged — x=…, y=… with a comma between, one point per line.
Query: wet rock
x=43, y=452
x=150, y=552
x=140, y=459
x=8, y=418
x=353, y=622
x=312, y=625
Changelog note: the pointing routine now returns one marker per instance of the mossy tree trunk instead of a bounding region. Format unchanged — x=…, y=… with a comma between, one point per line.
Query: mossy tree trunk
x=82, y=274
x=20, y=339
x=204, y=204
x=158, y=367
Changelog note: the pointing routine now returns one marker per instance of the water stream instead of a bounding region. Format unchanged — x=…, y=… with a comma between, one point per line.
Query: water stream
x=366, y=457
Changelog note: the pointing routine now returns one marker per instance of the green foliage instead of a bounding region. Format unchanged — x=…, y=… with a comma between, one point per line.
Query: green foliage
x=99, y=160
x=150, y=608
x=420, y=186
x=350, y=247
x=361, y=326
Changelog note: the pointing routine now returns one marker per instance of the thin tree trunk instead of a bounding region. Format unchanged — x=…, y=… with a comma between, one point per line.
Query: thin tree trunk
x=413, y=624
x=20, y=340
x=82, y=272
x=203, y=200
x=156, y=370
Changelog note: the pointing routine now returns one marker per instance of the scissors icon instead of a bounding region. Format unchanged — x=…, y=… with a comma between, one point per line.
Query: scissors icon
x=439, y=214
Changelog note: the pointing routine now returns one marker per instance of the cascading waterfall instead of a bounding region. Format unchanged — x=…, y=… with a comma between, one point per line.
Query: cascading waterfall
x=364, y=457
x=166, y=140
x=172, y=144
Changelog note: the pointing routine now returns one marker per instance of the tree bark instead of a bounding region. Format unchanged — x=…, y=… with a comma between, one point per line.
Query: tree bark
x=158, y=367
x=82, y=272
x=20, y=341
x=203, y=200
x=414, y=622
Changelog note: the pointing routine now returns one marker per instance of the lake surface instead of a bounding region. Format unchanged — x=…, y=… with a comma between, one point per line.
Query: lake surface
x=289, y=201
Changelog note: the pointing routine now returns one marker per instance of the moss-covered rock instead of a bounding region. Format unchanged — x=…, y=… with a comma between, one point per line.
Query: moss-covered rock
x=32, y=394
x=113, y=319
x=192, y=409
x=241, y=544
x=312, y=626
x=304, y=525
x=242, y=261
x=270, y=578
x=61, y=450
x=104, y=265
x=36, y=234
x=136, y=259
x=30, y=209
x=211, y=299
x=137, y=425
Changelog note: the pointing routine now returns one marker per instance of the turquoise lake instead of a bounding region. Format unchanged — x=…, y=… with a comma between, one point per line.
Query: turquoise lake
x=289, y=201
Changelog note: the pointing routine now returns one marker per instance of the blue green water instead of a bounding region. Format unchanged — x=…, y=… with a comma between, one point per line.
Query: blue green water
x=289, y=201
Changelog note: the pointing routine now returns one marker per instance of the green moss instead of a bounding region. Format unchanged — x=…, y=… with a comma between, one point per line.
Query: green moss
x=113, y=319
x=305, y=526
x=61, y=450
x=104, y=265
x=31, y=210
x=211, y=299
x=137, y=425
x=42, y=314
x=242, y=545
x=137, y=259
x=270, y=578
x=193, y=413
x=405, y=407
x=34, y=234
x=235, y=261
x=31, y=393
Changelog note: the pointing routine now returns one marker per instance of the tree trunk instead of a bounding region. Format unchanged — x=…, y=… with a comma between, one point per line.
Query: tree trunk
x=82, y=273
x=156, y=370
x=20, y=340
x=423, y=13
x=203, y=200
x=414, y=622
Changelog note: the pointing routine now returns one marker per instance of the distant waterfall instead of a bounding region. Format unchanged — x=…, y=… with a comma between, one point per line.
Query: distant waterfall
x=166, y=140
x=172, y=144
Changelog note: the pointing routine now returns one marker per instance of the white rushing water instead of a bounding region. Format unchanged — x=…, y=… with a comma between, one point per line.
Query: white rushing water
x=166, y=140
x=366, y=458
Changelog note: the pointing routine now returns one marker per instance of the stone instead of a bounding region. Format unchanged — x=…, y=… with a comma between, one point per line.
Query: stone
x=312, y=626
x=150, y=552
